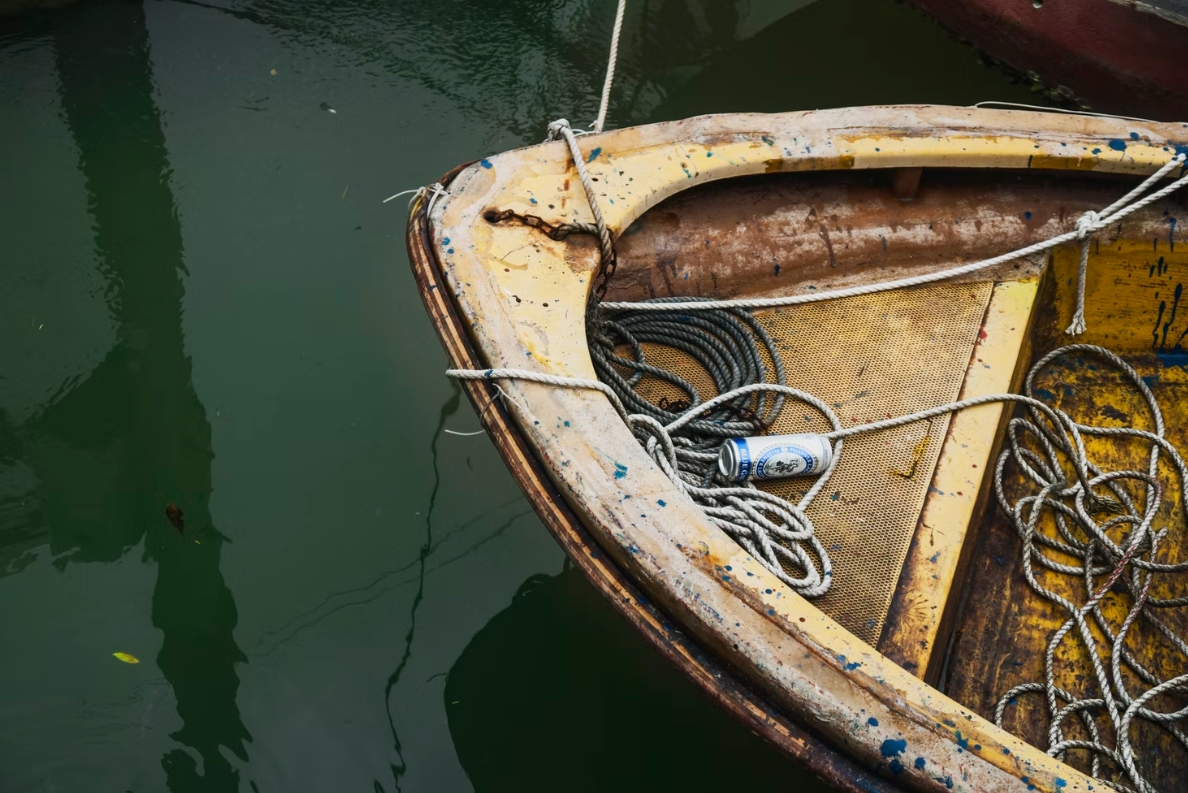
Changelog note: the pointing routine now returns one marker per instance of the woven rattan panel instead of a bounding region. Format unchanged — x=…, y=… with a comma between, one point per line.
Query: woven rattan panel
x=870, y=357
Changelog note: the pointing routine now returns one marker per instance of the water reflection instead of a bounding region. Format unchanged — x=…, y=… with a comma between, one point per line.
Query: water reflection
x=557, y=691
x=400, y=767
x=132, y=437
x=513, y=67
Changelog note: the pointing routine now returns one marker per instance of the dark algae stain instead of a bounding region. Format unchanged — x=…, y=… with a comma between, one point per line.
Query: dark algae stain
x=1162, y=341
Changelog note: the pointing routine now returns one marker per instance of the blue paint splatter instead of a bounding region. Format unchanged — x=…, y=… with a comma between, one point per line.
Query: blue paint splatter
x=934, y=557
x=777, y=269
x=919, y=763
x=962, y=742
x=485, y=163
x=709, y=154
x=895, y=766
x=567, y=424
x=872, y=721
x=1134, y=136
x=445, y=241
x=449, y=250
x=594, y=154
x=1027, y=215
x=1118, y=145
x=893, y=746
x=1097, y=151
x=1060, y=782
x=660, y=501
x=620, y=470
x=532, y=201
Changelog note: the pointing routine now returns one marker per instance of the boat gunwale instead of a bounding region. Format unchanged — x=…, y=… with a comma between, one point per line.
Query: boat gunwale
x=718, y=682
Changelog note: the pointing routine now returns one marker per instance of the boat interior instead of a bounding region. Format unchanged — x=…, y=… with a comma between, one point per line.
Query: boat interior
x=927, y=569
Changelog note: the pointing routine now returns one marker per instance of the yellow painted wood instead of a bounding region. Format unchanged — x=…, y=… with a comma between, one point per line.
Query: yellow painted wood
x=523, y=297
x=967, y=457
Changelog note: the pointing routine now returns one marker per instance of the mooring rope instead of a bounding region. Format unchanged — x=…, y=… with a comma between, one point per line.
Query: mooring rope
x=604, y=105
x=770, y=528
x=1088, y=224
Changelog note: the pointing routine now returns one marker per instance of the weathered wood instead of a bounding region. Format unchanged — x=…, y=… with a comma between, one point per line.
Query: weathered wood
x=905, y=182
x=521, y=297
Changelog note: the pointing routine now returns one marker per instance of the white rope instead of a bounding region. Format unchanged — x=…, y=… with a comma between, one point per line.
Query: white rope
x=778, y=532
x=610, y=68
x=775, y=531
x=417, y=192
x=561, y=129
x=1089, y=223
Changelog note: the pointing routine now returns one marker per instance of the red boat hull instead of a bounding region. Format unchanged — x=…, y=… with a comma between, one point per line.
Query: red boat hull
x=1128, y=59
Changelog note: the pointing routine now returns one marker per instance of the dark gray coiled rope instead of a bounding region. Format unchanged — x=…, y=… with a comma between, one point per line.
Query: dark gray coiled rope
x=730, y=344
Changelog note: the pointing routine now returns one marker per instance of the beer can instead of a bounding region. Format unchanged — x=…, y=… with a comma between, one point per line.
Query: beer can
x=774, y=457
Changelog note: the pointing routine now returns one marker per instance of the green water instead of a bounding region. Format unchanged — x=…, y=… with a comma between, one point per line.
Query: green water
x=204, y=303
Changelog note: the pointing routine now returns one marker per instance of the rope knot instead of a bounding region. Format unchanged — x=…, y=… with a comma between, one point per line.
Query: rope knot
x=1086, y=223
x=555, y=127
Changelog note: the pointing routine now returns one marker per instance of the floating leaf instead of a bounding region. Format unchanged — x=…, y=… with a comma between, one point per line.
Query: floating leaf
x=127, y=658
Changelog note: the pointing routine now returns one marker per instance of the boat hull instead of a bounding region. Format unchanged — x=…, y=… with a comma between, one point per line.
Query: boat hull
x=1120, y=58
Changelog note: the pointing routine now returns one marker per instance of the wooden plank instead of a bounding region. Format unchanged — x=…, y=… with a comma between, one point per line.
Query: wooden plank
x=932, y=574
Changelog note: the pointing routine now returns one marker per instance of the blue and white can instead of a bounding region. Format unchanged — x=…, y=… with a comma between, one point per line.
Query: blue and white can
x=774, y=457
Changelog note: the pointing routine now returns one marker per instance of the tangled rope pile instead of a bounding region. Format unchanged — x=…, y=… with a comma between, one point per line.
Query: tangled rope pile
x=1081, y=504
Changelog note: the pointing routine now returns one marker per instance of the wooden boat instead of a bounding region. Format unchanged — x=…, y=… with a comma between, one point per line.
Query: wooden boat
x=888, y=681
x=1112, y=53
